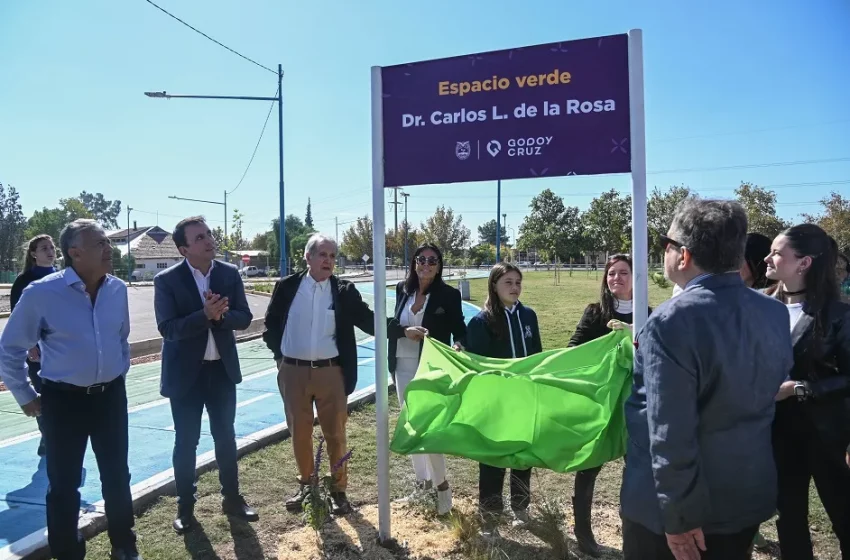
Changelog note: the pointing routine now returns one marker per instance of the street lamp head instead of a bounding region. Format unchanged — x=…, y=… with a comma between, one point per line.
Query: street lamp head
x=161, y=94
x=172, y=196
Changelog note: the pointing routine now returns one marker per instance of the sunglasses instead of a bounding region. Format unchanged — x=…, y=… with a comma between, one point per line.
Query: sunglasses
x=666, y=242
x=427, y=260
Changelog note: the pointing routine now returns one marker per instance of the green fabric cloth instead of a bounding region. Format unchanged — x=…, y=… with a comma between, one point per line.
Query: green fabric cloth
x=561, y=409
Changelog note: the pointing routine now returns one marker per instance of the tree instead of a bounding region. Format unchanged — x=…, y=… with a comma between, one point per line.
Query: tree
x=308, y=219
x=294, y=227
x=487, y=233
x=608, y=223
x=835, y=219
x=104, y=211
x=237, y=242
x=395, y=242
x=53, y=220
x=483, y=253
x=221, y=243
x=660, y=210
x=12, y=226
x=552, y=228
x=446, y=231
x=760, y=205
x=119, y=264
x=297, y=245
x=357, y=240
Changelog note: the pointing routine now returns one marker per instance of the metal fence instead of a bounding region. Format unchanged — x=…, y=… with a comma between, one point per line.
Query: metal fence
x=7, y=276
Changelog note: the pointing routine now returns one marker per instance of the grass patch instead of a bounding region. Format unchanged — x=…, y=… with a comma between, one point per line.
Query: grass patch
x=268, y=477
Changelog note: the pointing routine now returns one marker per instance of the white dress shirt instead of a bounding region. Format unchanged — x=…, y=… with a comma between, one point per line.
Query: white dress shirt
x=407, y=348
x=203, y=284
x=310, y=332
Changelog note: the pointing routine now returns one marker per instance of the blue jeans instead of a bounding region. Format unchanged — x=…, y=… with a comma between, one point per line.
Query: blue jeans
x=215, y=391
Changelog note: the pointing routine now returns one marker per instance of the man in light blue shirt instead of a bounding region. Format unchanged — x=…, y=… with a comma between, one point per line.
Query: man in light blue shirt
x=80, y=319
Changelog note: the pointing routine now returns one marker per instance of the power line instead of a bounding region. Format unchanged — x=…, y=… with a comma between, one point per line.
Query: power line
x=260, y=139
x=166, y=12
x=562, y=195
x=750, y=166
x=753, y=131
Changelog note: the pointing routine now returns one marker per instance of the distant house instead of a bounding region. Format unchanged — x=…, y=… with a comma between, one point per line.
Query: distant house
x=151, y=246
x=260, y=259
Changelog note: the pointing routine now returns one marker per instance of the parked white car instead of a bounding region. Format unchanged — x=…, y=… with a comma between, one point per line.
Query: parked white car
x=250, y=271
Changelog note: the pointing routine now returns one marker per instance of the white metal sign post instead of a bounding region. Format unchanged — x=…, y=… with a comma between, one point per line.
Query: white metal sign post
x=570, y=108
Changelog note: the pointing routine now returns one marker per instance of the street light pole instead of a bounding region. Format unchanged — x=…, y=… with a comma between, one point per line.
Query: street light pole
x=279, y=100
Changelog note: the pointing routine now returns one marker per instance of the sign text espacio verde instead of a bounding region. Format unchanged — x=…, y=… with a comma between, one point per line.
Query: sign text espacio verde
x=546, y=110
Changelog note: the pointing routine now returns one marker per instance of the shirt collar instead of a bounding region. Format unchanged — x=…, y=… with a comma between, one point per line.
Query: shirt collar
x=72, y=278
x=698, y=279
x=193, y=270
x=311, y=282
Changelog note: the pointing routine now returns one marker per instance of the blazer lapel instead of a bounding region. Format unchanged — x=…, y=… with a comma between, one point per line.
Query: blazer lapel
x=802, y=328
x=185, y=274
x=335, y=302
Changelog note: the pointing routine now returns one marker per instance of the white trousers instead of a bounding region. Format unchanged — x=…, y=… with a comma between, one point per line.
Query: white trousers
x=426, y=467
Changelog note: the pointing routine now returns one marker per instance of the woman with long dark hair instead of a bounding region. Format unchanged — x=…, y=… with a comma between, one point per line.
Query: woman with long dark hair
x=425, y=306
x=812, y=425
x=39, y=257
x=505, y=328
x=615, y=305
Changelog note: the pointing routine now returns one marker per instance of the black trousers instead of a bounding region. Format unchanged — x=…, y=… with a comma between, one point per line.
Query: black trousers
x=491, y=481
x=639, y=543
x=798, y=460
x=214, y=390
x=69, y=419
x=35, y=379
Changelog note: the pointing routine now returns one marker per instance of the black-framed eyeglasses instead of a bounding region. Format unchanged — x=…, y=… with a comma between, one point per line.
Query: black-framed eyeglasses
x=421, y=259
x=666, y=242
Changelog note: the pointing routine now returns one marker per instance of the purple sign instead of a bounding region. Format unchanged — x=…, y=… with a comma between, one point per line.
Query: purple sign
x=541, y=111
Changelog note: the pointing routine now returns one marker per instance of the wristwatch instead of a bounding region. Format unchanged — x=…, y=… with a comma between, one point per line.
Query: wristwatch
x=802, y=391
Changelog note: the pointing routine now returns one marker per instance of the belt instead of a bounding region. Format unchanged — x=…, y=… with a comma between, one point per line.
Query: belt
x=331, y=362
x=95, y=389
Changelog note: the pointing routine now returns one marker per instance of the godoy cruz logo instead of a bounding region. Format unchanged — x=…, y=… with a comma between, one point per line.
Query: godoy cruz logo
x=463, y=150
x=494, y=147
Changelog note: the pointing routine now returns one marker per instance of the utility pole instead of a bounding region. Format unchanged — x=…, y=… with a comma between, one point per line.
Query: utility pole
x=336, y=237
x=129, y=268
x=395, y=204
x=406, y=229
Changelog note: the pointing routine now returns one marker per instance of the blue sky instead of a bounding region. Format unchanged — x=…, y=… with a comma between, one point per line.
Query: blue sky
x=728, y=83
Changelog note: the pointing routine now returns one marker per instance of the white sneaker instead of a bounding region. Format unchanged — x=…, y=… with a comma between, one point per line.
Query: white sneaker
x=444, y=501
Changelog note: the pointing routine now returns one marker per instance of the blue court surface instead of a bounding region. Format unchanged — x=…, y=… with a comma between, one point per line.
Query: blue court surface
x=24, y=480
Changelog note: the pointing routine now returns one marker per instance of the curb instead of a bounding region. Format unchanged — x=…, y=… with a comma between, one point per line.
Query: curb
x=34, y=546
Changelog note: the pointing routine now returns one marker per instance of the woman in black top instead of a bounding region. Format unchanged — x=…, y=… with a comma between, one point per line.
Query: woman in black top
x=39, y=256
x=812, y=425
x=615, y=304
x=505, y=328
x=425, y=305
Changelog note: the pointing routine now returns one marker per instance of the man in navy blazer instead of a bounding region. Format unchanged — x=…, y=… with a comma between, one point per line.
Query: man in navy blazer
x=700, y=475
x=199, y=304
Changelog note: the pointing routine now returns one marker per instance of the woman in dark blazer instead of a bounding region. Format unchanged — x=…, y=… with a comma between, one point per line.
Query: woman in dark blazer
x=615, y=304
x=812, y=425
x=40, y=254
x=425, y=305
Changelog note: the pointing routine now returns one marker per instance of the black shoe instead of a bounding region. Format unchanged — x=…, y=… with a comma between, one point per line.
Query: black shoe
x=237, y=507
x=129, y=553
x=42, y=449
x=341, y=505
x=583, y=530
x=183, y=523
x=296, y=502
